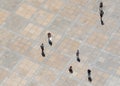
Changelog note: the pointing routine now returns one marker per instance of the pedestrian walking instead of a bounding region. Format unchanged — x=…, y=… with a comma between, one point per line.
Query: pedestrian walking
x=101, y=13
x=42, y=48
x=50, y=39
x=77, y=55
x=70, y=69
x=89, y=75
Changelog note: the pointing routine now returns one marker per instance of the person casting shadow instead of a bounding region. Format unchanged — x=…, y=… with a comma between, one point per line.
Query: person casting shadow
x=50, y=39
x=89, y=75
x=77, y=55
x=42, y=48
x=70, y=69
x=101, y=13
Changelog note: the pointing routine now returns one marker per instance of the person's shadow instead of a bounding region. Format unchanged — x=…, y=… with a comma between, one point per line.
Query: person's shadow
x=43, y=54
x=102, y=23
x=89, y=79
x=78, y=59
x=50, y=42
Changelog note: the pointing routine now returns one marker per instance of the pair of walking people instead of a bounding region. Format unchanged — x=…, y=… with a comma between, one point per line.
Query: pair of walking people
x=78, y=59
x=49, y=41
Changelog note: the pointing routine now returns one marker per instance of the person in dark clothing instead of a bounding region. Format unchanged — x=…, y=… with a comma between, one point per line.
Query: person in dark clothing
x=101, y=5
x=70, y=69
x=89, y=75
x=42, y=48
x=50, y=39
x=77, y=55
x=101, y=13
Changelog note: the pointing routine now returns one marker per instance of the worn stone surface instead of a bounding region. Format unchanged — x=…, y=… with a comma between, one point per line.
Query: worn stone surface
x=74, y=24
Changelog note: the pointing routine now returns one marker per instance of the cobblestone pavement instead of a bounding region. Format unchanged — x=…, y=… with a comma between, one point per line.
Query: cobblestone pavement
x=74, y=24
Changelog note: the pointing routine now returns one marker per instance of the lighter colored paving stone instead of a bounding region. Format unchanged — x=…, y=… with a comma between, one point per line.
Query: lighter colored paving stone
x=26, y=11
x=65, y=81
x=44, y=17
x=26, y=68
x=3, y=74
x=15, y=80
x=70, y=48
x=70, y=11
x=54, y=5
x=45, y=76
x=58, y=61
x=3, y=15
x=97, y=39
x=5, y=37
x=32, y=31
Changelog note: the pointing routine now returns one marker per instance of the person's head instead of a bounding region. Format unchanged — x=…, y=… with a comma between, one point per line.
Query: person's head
x=70, y=66
x=89, y=71
x=101, y=4
x=49, y=35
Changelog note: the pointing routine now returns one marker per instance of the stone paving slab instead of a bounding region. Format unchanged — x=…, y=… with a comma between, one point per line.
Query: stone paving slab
x=74, y=24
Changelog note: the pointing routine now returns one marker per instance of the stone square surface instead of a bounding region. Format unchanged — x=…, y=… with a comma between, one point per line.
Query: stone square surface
x=16, y=22
x=60, y=24
x=97, y=39
x=9, y=60
x=54, y=5
x=70, y=11
x=70, y=48
x=35, y=3
x=114, y=45
x=105, y=60
x=20, y=45
x=3, y=16
x=79, y=32
x=26, y=68
x=79, y=2
x=9, y=5
x=46, y=74
x=57, y=61
x=43, y=17
x=5, y=37
x=32, y=31
x=26, y=11
x=14, y=80
x=3, y=74
x=65, y=81
x=73, y=24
